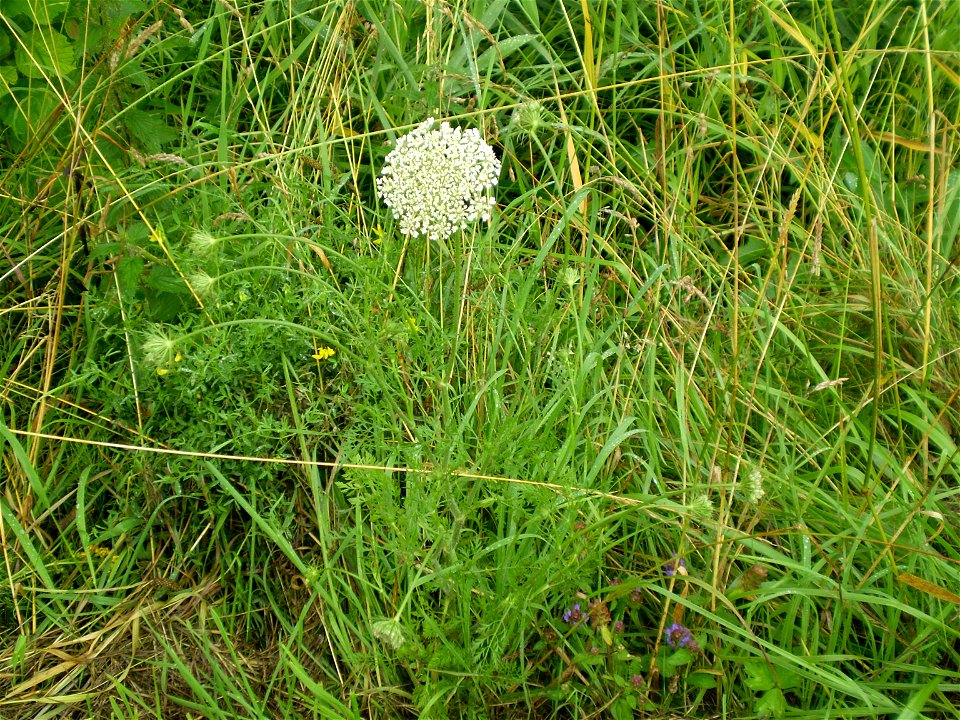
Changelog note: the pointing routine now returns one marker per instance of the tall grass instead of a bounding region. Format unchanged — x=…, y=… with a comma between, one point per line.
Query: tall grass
x=674, y=435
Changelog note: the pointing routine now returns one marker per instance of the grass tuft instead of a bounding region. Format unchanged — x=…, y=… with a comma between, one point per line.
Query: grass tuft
x=672, y=435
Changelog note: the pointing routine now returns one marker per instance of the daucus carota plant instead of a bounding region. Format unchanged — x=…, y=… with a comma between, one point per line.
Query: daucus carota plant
x=437, y=181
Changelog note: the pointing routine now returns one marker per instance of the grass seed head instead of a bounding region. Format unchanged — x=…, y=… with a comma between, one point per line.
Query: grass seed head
x=203, y=243
x=202, y=283
x=159, y=348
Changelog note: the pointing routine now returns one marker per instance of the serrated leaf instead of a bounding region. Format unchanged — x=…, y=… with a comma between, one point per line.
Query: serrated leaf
x=136, y=232
x=166, y=280
x=129, y=271
x=44, y=52
x=149, y=129
x=105, y=249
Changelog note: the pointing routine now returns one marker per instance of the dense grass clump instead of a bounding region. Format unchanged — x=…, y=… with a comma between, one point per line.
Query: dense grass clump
x=673, y=434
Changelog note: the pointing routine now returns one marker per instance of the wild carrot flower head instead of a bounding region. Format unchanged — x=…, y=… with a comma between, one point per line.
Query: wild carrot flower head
x=437, y=181
x=752, y=487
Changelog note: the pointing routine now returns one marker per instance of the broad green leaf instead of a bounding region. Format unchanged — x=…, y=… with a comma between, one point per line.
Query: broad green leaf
x=8, y=76
x=759, y=676
x=623, y=708
x=45, y=12
x=787, y=679
x=680, y=658
x=163, y=306
x=164, y=279
x=149, y=128
x=44, y=52
x=28, y=114
x=129, y=271
x=15, y=8
x=771, y=704
x=702, y=680
x=40, y=12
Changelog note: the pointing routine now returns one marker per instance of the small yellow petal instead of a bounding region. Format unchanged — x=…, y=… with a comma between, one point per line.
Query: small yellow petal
x=162, y=371
x=157, y=235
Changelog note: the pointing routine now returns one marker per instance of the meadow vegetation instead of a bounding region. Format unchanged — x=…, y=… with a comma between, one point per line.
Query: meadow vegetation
x=674, y=434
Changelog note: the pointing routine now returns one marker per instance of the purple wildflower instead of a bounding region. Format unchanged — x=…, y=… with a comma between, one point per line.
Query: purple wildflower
x=618, y=626
x=673, y=566
x=678, y=637
x=575, y=616
x=637, y=681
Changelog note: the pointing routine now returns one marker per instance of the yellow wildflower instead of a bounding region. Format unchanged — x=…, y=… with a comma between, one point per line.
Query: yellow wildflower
x=324, y=353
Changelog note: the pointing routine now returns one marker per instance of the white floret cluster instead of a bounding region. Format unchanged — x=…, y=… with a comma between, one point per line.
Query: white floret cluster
x=437, y=181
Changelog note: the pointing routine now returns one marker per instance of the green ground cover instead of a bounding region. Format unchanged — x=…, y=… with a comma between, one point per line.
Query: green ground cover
x=674, y=434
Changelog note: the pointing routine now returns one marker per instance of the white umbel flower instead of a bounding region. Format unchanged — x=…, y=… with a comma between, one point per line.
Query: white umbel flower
x=753, y=487
x=437, y=181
